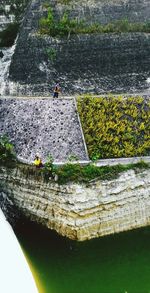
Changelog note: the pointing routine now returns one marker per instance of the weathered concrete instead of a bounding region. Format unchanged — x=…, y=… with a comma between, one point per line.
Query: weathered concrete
x=44, y=126
x=96, y=63
x=11, y=11
x=83, y=63
x=81, y=211
x=6, y=16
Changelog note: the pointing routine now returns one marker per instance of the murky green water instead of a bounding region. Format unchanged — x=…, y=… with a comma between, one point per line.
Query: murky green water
x=114, y=264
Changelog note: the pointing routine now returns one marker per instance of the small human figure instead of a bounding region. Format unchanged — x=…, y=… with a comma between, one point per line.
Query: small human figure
x=38, y=162
x=56, y=91
x=1, y=54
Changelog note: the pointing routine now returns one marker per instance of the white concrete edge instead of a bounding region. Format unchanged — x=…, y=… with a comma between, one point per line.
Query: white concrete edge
x=48, y=97
x=122, y=161
x=61, y=96
x=109, y=162
x=104, y=162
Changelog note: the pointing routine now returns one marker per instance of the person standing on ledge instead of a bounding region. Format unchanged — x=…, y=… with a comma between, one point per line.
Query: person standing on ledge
x=56, y=91
x=38, y=162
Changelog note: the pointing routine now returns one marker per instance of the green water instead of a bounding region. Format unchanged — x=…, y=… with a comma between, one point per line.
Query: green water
x=114, y=264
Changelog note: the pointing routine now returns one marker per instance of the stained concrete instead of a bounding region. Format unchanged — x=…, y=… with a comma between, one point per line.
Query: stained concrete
x=96, y=63
x=44, y=126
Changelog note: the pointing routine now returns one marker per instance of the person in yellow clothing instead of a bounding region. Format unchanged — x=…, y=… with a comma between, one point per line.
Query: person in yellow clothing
x=37, y=162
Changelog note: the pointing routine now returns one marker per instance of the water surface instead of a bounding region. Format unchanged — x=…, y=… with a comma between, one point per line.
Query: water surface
x=114, y=264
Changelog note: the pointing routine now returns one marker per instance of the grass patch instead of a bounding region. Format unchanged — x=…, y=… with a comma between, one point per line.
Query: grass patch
x=78, y=173
x=68, y=172
x=62, y=27
x=115, y=126
x=75, y=172
x=52, y=54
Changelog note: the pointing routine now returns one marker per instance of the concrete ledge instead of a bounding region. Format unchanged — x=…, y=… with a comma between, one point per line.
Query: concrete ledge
x=110, y=162
x=104, y=162
x=122, y=161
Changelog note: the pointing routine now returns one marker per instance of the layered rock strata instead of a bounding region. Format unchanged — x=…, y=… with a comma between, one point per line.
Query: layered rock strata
x=81, y=211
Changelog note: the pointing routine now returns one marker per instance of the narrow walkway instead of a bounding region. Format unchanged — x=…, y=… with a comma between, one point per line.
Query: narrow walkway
x=111, y=162
x=122, y=161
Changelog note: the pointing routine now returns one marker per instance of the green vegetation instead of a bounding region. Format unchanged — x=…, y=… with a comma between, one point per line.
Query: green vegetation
x=51, y=52
x=8, y=36
x=45, y=5
x=69, y=172
x=115, y=126
x=7, y=154
x=119, y=26
x=61, y=27
x=48, y=169
x=66, y=26
x=72, y=157
x=77, y=173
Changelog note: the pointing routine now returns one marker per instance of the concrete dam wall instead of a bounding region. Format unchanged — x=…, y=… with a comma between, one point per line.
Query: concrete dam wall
x=83, y=63
x=81, y=211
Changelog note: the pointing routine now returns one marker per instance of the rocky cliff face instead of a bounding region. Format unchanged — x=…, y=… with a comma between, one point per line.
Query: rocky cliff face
x=83, y=63
x=81, y=211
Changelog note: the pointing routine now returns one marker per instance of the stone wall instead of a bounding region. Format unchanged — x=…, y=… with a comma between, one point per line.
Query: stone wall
x=44, y=126
x=81, y=211
x=6, y=15
x=83, y=63
x=11, y=10
x=11, y=15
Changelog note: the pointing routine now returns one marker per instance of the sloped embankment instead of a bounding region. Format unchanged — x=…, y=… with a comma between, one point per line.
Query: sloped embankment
x=89, y=62
x=44, y=126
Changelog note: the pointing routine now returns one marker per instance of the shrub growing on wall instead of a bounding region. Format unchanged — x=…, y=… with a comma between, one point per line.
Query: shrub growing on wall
x=7, y=153
x=115, y=126
x=66, y=25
